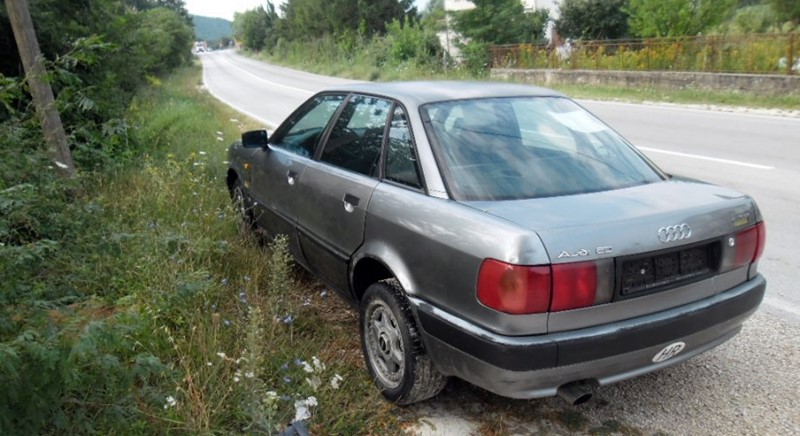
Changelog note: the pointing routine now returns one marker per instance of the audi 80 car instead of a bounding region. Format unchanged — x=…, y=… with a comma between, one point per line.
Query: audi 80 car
x=500, y=234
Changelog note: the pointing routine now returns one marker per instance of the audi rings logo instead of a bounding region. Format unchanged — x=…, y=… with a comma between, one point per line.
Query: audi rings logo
x=674, y=233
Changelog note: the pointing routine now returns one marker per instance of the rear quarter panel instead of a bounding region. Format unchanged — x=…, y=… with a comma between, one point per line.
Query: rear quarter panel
x=435, y=248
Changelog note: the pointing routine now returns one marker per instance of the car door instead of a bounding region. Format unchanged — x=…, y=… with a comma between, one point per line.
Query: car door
x=277, y=169
x=337, y=187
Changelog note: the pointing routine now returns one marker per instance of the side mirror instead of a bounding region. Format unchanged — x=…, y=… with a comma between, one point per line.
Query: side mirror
x=255, y=139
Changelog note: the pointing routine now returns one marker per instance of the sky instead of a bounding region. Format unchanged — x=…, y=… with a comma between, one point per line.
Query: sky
x=226, y=8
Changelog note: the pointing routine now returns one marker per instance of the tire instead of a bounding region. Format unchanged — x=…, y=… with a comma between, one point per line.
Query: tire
x=392, y=347
x=242, y=209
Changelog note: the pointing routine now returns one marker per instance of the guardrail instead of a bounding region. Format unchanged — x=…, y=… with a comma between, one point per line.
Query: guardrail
x=757, y=54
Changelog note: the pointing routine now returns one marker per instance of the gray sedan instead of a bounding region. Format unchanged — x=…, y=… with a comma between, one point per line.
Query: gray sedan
x=501, y=234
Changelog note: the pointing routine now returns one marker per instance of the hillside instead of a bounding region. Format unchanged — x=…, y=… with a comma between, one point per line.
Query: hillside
x=211, y=29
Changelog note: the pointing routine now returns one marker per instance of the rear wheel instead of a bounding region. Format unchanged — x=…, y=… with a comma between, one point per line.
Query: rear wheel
x=393, y=349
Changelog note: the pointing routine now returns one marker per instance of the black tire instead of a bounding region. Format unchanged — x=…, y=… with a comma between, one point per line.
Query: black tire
x=241, y=205
x=393, y=349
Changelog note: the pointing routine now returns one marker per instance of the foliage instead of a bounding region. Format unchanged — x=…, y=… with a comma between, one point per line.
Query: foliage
x=136, y=308
x=592, y=19
x=742, y=54
x=788, y=10
x=660, y=18
x=256, y=28
x=751, y=19
x=410, y=42
x=501, y=22
x=310, y=19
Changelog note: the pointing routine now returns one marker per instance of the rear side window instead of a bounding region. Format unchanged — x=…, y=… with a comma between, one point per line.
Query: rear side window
x=529, y=147
x=357, y=137
x=306, y=126
x=401, y=158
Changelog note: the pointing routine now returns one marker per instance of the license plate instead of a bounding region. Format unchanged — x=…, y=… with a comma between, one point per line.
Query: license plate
x=658, y=271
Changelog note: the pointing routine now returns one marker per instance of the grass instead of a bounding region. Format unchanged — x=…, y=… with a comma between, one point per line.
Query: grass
x=364, y=68
x=176, y=324
x=681, y=96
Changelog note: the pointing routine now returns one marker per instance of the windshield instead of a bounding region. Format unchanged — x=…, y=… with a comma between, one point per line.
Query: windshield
x=529, y=147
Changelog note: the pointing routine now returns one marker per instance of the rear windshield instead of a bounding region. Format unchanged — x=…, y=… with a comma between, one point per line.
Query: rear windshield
x=529, y=147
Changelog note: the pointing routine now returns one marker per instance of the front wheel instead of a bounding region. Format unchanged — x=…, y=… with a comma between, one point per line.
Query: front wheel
x=242, y=209
x=393, y=349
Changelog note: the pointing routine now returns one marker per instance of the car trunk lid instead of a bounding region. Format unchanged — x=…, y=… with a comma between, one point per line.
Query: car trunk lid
x=628, y=221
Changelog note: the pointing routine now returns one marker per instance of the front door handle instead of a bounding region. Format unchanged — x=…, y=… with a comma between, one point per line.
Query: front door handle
x=291, y=177
x=350, y=202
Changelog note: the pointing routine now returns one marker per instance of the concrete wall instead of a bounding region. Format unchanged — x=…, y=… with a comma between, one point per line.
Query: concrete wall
x=755, y=83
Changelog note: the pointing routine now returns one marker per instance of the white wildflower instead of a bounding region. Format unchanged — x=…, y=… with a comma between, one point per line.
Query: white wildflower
x=319, y=366
x=209, y=364
x=301, y=408
x=219, y=133
x=234, y=120
x=202, y=153
x=249, y=374
x=315, y=382
x=61, y=165
x=221, y=355
x=307, y=368
x=171, y=402
x=335, y=381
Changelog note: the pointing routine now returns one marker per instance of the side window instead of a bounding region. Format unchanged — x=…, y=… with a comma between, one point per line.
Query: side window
x=356, y=139
x=401, y=158
x=307, y=126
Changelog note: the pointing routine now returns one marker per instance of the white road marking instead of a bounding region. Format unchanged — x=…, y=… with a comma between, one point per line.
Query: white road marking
x=293, y=88
x=708, y=158
x=234, y=106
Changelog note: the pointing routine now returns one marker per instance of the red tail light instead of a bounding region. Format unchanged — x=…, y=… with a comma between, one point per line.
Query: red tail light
x=519, y=289
x=574, y=285
x=514, y=289
x=750, y=245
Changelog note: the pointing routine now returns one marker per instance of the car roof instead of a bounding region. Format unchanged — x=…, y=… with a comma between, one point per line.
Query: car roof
x=422, y=92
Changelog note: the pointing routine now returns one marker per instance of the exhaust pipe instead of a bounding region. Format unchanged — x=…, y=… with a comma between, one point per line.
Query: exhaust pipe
x=576, y=393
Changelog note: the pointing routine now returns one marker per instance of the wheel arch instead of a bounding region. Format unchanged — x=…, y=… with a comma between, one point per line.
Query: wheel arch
x=231, y=178
x=375, y=262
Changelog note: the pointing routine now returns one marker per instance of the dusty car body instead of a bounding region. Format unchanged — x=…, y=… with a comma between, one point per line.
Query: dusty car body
x=501, y=234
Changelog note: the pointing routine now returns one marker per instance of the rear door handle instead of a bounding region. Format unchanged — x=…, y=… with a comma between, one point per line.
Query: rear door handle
x=350, y=202
x=291, y=177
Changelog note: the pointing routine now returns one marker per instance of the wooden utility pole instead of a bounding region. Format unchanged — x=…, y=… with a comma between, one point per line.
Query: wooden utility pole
x=42, y=93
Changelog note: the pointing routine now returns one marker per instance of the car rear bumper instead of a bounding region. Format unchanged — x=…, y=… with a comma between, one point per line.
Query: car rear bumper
x=535, y=366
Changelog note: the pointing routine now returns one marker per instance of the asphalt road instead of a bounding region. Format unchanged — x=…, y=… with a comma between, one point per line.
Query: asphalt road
x=757, y=154
x=748, y=385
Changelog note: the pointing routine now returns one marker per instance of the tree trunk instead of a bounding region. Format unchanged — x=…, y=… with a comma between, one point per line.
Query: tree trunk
x=43, y=100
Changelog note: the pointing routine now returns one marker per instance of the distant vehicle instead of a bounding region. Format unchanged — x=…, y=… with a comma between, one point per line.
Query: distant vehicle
x=200, y=47
x=501, y=234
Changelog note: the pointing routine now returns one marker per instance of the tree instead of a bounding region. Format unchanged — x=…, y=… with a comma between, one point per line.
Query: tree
x=788, y=10
x=661, y=18
x=501, y=22
x=255, y=27
x=592, y=19
x=308, y=19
